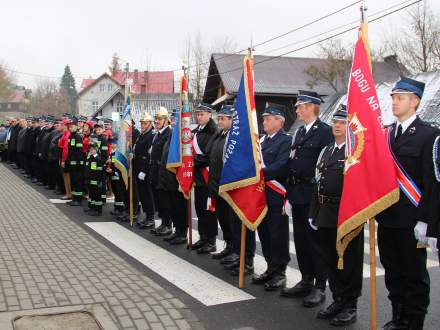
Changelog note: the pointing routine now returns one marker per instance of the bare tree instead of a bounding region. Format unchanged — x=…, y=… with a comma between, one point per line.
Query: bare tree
x=6, y=90
x=335, y=70
x=196, y=54
x=418, y=44
x=48, y=99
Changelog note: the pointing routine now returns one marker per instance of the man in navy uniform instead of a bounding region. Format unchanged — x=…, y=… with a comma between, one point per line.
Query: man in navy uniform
x=207, y=223
x=141, y=164
x=274, y=229
x=163, y=131
x=307, y=145
x=346, y=284
x=403, y=225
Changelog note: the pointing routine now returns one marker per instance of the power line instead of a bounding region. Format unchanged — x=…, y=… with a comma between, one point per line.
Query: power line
x=314, y=43
x=222, y=57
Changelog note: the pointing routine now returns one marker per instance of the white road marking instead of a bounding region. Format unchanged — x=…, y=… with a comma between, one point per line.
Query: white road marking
x=201, y=285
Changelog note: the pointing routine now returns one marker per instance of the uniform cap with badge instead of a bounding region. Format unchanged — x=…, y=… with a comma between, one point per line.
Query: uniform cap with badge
x=162, y=113
x=305, y=97
x=226, y=111
x=146, y=117
x=204, y=107
x=274, y=110
x=340, y=113
x=409, y=86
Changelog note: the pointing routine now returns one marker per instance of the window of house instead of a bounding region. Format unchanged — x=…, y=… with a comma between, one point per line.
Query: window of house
x=95, y=106
x=101, y=87
x=119, y=106
x=1, y=106
x=9, y=105
x=109, y=87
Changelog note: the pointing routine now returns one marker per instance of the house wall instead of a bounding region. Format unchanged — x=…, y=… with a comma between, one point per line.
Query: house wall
x=98, y=93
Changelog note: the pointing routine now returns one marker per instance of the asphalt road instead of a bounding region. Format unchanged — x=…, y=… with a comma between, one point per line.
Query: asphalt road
x=268, y=310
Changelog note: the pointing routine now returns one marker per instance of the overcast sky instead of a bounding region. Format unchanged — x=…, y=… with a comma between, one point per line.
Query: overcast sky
x=41, y=37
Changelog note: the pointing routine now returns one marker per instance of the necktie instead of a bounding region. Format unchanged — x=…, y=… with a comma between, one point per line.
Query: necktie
x=399, y=132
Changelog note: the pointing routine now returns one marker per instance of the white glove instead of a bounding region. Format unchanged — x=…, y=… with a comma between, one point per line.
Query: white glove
x=432, y=242
x=312, y=225
x=141, y=176
x=420, y=231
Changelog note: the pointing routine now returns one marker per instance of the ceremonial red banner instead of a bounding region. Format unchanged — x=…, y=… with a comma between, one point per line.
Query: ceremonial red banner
x=370, y=183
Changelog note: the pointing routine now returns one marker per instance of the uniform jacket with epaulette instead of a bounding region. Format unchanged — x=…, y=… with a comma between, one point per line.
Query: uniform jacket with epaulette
x=75, y=156
x=324, y=206
x=141, y=159
x=413, y=150
x=204, y=137
x=156, y=155
x=304, y=154
x=275, y=151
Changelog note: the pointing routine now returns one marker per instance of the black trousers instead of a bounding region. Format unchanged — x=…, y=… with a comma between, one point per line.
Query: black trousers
x=28, y=164
x=222, y=210
x=145, y=194
x=273, y=232
x=95, y=200
x=207, y=224
x=42, y=170
x=35, y=168
x=307, y=247
x=77, y=182
x=162, y=207
x=236, y=237
x=118, y=188
x=177, y=206
x=12, y=154
x=345, y=283
x=52, y=171
x=20, y=160
x=406, y=276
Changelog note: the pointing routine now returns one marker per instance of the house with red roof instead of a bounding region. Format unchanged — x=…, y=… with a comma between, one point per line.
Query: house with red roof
x=104, y=95
x=18, y=102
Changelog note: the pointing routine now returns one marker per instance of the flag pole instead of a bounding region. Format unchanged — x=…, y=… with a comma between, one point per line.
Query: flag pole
x=373, y=288
x=130, y=141
x=243, y=229
x=242, y=253
x=372, y=222
x=188, y=202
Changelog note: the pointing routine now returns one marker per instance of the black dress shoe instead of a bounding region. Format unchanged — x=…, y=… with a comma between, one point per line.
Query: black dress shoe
x=234, y=257
x=74, y=203
x=179, y=240
x=154, y=230
x=94, y=213
x=223, y=253
x=207, y=248
x=171, y=237
x=116, y=213
x=277, y=282
x=314, y=298
x=248, y=270
x=199, y=244
x=347, y=316
x=396, y=325
x=40, y=184
x=165, y=231
x=149, y=224
x=301, y=289
x=87, y=210
x=232, y=265
x=34, y=180
x=263, y=278
x=332, y=310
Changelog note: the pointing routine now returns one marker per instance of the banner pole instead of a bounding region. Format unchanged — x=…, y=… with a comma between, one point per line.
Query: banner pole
x=131, y=165
x=242, y=255
x=189, y=214
x=373, y=288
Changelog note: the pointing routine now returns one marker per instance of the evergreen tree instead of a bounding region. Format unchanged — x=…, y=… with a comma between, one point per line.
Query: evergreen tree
x=68, y=89
x=115, y=66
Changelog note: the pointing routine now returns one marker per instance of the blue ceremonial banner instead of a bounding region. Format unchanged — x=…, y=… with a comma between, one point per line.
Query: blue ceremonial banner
x=242, y=181
x=122, y=150
x=174, y=154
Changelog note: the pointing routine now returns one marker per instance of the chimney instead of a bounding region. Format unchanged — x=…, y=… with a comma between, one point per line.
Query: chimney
x=135, y=78
x=145, y=82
